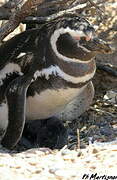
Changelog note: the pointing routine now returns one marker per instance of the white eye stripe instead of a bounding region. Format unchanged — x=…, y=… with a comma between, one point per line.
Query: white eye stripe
x=55, y=37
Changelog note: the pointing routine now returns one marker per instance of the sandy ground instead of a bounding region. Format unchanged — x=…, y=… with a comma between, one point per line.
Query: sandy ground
x=93, y=162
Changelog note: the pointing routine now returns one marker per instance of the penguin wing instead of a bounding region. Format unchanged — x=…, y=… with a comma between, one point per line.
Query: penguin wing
x=16, y=102
x=21, y=43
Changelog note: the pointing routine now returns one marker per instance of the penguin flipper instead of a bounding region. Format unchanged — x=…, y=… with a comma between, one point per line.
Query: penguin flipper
x=16, y=100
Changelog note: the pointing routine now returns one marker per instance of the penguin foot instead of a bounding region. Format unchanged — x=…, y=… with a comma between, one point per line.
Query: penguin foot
x=49, y=133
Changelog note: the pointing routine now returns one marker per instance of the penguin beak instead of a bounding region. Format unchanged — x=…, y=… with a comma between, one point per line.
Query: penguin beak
x=102, y=46
x=96, y=44
x=89, y=40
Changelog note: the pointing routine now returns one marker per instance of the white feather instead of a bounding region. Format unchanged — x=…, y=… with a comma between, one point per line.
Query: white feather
x=9, y=69
x=55, y=70
x=21, y=55
x=49, y=102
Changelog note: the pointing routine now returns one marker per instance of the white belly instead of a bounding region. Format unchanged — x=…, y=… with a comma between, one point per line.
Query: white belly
x=49, y=102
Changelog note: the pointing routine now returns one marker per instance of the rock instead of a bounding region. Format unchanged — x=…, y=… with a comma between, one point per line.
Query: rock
x=111, y=96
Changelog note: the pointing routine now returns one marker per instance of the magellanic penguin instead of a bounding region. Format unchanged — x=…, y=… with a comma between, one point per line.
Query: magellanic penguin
x=42, y=70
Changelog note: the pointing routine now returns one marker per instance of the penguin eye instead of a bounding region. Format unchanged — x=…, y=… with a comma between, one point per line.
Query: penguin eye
x=80, y=34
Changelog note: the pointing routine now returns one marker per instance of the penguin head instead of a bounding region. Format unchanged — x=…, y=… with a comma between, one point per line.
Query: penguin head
x=75, y=38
